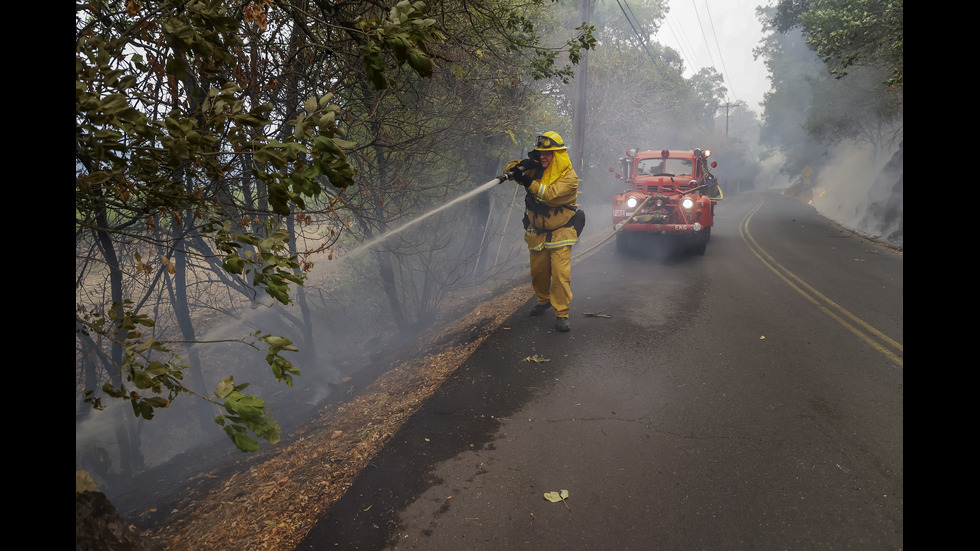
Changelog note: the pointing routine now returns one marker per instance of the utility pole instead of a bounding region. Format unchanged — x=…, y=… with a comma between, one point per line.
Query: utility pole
x=727, y=106
x=578, y=112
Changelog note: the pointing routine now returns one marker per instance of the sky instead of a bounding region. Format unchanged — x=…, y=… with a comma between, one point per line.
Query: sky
x=720, y=34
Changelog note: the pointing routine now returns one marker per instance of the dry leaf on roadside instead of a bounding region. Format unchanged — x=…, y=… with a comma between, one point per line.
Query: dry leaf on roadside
x=555, y=497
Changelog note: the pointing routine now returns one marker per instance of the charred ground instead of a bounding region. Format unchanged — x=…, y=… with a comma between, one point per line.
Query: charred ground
x=214, y=497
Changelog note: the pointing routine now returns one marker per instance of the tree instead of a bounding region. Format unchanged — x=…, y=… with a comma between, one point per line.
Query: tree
x=733, y=147
x=806, y=111
x=849, y=33
x=637, y=96
x=216, y=154
x=792, y=68
x=858, y=110
x=423, y=142
x=862, y=41
x=165, y=132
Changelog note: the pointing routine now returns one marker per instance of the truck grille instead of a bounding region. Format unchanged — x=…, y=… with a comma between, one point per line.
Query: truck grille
x=650, y=189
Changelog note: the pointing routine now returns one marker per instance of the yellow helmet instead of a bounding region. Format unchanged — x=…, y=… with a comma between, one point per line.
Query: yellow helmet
x=549, y=141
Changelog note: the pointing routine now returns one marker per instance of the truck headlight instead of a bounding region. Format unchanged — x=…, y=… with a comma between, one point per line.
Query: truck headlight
x=631, y=202
x=687, y=203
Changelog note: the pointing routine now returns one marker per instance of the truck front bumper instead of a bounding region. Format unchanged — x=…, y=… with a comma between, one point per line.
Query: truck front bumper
x=662, y=228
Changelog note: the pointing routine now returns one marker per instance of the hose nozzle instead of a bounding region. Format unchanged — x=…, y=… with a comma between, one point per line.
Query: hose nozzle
x=506, y=176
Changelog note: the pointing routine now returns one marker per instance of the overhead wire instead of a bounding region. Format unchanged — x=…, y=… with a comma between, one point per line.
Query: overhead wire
x=624, y=7
x=724, y=70
x=683, y=45
x=697, y=14
x=689, y=52
x=643, y=41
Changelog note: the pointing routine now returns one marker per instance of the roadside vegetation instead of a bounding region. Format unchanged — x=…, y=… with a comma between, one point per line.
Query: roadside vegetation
x=231, y=154
x=836, y=108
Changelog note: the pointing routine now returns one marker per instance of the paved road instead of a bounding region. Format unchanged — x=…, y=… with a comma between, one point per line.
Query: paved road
x=751, y=398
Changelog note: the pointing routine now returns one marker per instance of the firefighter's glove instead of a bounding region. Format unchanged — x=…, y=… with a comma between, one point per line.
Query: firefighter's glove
x=522, y=178
x=529, y=169
x=529, y=165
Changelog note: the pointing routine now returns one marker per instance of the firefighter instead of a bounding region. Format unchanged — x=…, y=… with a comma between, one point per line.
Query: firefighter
x=552, y=222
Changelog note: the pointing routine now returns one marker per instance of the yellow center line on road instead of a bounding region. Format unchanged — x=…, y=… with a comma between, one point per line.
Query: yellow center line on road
x=856, y=325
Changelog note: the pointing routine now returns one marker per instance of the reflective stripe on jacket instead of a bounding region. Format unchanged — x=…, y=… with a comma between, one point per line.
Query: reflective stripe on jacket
x=558, y=189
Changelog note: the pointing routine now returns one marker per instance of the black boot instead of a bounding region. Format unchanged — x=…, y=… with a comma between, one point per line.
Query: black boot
x=562, y=325
x=539, y=309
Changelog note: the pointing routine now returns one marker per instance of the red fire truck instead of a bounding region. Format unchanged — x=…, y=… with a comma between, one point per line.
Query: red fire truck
x=672, y=196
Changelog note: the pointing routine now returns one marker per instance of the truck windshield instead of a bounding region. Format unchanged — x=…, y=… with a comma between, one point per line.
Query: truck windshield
x=672, y=167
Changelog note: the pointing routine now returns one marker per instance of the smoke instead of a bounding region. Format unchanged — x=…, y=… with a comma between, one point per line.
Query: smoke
x=770, y=174
x=863, y=191
x=353, y=341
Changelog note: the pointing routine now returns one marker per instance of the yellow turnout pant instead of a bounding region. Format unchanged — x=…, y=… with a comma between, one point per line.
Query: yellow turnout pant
x=551, y=277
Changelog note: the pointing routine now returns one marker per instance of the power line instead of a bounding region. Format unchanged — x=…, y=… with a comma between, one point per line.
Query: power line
x=691, y=59
x=724, y=70
x=643, y=41
x=683, y=44
x=701, y=29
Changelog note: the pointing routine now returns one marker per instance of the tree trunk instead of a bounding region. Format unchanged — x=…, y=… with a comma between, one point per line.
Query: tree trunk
x=177, y=286
x=387, y=273
x=130, y=457
x=486, y=167
x=307, y=347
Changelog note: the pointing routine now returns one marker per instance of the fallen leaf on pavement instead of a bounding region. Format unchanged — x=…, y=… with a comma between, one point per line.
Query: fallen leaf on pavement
x=555, y=497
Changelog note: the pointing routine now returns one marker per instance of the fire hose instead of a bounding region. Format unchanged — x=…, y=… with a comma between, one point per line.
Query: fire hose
x=619, y=227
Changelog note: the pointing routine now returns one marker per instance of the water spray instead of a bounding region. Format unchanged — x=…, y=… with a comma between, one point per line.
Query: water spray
x=390, y=233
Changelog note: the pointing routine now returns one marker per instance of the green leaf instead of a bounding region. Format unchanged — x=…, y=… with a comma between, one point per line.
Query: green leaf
x=157, y=368
x=141, y=379
x=277, y=341
x=555, y=497
x=241, y=439
x=146, y=410
x=233, y=264
x=158, y=402
x=224, y=388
